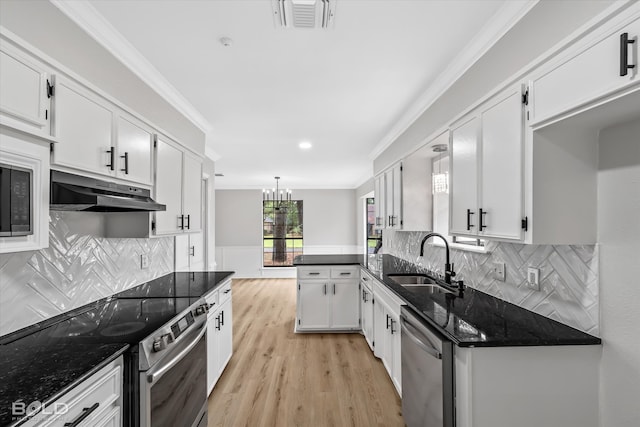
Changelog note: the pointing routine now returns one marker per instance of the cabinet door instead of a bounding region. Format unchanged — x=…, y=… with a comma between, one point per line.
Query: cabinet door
x=389, y=342
x=367, y=316
x=83, y=123
x=182, y=255
x=168, y=188
x=388, y=198
x=587, y=75
x=378, y=191
x=213, y=350
x=464, y=172
x=396, y=343
x=192, y=193
x=134, y=142
x=344, y=304
x=396, y=215
x=501, y=179
x=379, y=327
x=23, y=85
x=196, y=252
x=313, y=303
x=226, y=335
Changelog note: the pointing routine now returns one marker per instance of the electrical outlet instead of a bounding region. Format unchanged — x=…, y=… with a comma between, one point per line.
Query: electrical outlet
x=533, y=278
x=498, y=271
x=144, y=261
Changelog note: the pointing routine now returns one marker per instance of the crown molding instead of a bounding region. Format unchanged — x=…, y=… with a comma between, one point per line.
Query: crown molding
x=504, y=19
x=94, y=24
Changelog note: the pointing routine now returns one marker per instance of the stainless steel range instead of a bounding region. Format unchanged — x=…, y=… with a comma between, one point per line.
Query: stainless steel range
x=172, y=372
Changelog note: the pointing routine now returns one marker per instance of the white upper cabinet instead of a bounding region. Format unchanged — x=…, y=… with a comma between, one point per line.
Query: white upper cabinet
x=178, y=186
x=605, y=63
x=463, y=191
x=192, y=192
x=83, y=123
x=24, y=100
x=378, y=191
x=135, y=145
x=388, y=198
x=501, y=162
x=486, y=167
x=96, y=136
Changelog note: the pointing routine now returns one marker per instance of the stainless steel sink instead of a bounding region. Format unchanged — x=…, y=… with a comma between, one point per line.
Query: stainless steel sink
x=418, y=283
x=411, y=279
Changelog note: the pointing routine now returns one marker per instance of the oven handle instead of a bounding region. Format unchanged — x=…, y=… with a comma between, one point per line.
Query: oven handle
x=158, y=371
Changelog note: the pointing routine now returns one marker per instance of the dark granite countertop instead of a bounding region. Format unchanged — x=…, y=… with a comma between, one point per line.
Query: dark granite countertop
x=47, y=359
x=472, y=319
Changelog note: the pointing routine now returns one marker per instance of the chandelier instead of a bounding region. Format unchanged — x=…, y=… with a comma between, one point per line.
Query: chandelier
x=440, y=180
x=276, y=194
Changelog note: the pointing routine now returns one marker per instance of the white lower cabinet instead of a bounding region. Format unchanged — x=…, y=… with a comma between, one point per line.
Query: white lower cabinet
x=328, y=298
x=366, y=306
x=189, y=252
x=219, y=333
x=387, y=344
x=552, y=386
x=97, y=401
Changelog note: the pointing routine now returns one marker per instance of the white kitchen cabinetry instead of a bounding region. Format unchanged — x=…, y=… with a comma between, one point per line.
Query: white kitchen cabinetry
x=24, y=102
x=487, y=169
x=378, y=191
x=83, y=122
x=189, y=252
x=387, y=344
x=388, y=198
x=219, y=332
x=178, y=186
x=590, y=71
x=554, y=386
x=135, y=145
x=366, y=306
x=97, y=401
x=95, y=136
x=328, y=298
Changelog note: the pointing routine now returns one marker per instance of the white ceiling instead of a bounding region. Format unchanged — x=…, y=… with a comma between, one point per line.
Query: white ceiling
x=348, y=90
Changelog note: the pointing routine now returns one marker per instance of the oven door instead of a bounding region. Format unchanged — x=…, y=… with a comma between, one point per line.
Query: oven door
x=174, y=391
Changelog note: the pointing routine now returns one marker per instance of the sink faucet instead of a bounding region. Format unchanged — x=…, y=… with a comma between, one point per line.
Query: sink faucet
x=448, y=268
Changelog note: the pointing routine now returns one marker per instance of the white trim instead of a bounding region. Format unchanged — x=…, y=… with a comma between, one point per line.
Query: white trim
x=506, y=17
x=96, y=26
x=210, y=153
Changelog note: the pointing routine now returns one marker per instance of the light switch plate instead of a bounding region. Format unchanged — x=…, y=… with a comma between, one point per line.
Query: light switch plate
x=498, y=272
x=144, y=261
x=533, y=278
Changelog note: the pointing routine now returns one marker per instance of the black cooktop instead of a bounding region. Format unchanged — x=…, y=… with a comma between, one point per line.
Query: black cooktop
x=43, y=361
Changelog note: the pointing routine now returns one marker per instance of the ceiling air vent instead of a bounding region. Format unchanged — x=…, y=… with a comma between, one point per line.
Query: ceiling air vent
x=303, y=13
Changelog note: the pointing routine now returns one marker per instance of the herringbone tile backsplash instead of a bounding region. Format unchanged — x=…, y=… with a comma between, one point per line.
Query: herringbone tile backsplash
x=74, y=270
x=568, y=274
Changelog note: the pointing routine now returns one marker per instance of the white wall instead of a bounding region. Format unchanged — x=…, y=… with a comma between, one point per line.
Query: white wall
x=329, y=226
x=42, y=25
x=619, y=239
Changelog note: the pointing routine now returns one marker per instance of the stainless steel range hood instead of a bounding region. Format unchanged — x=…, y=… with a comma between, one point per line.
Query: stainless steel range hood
x=71, y=192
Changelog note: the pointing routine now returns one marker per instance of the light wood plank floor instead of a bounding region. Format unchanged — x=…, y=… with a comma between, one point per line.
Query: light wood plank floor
x=278, y=378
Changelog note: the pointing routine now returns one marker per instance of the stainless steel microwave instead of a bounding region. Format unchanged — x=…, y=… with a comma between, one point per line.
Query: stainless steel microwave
x=16, y=201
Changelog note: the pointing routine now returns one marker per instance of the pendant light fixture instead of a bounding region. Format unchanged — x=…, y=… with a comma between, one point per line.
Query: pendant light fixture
x=440, y=180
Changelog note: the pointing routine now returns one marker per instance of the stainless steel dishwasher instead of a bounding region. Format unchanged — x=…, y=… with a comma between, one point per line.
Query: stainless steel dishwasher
x=427, y=374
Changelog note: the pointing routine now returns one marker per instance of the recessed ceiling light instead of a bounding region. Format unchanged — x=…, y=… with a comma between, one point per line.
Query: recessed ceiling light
x=305, y=145
x=226, y=41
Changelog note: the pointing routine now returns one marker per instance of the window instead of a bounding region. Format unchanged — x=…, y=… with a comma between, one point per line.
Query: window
x=374, y=237
x=281, y=232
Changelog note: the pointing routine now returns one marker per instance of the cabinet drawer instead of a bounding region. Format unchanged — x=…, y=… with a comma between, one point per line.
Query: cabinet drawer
x=344, y=272
x=313, y=273
x=95, y=395
x=225, y=292
x=213, y=299
x=366, y=278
